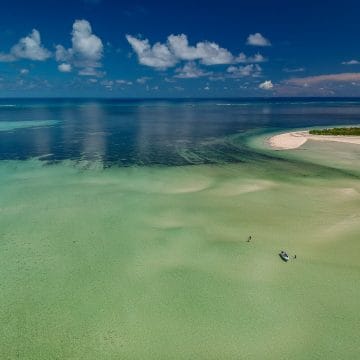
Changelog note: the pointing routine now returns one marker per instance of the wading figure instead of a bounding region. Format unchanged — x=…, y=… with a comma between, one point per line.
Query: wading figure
x=249, y=238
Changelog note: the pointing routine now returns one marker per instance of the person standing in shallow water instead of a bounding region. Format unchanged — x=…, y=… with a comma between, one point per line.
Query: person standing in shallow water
x=249, y=238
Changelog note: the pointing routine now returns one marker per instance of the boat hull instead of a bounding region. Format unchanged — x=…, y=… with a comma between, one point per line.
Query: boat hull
x=284, y=257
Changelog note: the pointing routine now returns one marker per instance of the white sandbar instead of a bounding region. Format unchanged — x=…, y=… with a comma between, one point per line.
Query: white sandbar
x=294, y=140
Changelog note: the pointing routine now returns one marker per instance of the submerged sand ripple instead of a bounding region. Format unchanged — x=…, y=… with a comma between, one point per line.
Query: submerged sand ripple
x=14, y=125
x=152, y=263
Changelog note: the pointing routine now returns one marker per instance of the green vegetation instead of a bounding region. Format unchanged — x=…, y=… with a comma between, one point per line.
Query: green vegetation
x=354, y=131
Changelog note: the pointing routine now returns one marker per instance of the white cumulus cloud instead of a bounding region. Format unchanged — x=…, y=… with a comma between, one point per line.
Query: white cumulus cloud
x=179, y=45
x=266, y=85
x=157, y=56
x=257, y=40
x=257, y=58
x=29, y=48
x=86, y=51
x=190, y=71
x=213, y=54
x=64, y=67
x=177, y=49
x=243, y=71
x=209, y=53
x=86, y=46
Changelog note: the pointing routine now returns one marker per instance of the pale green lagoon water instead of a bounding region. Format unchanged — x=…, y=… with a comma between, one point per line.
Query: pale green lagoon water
x=109, y=249
x=153, y=263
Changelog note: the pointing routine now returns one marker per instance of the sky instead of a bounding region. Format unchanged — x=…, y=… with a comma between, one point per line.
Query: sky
x=108, y=48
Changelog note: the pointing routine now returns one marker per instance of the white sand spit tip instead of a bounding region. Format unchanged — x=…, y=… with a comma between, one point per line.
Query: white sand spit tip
x=294, y=140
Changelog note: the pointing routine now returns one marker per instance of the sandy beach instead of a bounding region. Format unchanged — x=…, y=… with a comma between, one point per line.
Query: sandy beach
x=293, y=140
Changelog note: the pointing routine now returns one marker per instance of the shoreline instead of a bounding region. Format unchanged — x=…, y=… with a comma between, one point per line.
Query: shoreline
x=295, y=139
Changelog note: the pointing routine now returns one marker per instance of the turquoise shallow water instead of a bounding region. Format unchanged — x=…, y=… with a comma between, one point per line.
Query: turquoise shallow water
x=151, y=262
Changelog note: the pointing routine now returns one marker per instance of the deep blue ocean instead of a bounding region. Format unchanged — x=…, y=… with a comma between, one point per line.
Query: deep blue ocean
x=162, y=132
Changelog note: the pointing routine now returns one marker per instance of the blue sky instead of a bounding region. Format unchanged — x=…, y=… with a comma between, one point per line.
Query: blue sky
x=179, y=49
